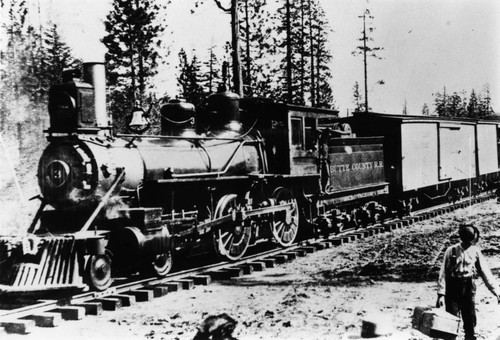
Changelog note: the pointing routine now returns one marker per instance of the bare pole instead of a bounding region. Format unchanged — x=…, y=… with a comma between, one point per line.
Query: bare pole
x=248, y=79
x=235, y=26
x=364, y=62
x=313, y=92
x=288, y=53
x=318, y=66
x=302, y=52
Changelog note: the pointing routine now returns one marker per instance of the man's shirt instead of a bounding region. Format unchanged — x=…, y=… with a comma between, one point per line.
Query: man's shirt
x=465, y=263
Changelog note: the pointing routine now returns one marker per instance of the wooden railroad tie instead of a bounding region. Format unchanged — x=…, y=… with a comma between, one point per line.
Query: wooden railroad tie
x=70, y=312
x=111, y=303
x=91, y=308
x=141, y=295
x=158, y=290
x=45, y=319
x=18, y=326
x=258, y=266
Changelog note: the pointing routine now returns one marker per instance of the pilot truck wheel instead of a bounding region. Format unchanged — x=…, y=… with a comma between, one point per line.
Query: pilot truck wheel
x=98, y=272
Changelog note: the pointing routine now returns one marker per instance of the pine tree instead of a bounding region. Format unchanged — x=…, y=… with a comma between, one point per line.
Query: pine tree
x=441, y=103
x=322, y=59
x=22, y=104
x=55, y=57
x=405, y=109
x=454, y=105
x=257, y=47
x=133, y=29
x=473, y=106
x=425, y=110
x=485, y=108
x=357, y=98
x=20, y=60
x=212, y=71
x=189, y=79
x=457, y=105
x=289, y=43
x=302, y=29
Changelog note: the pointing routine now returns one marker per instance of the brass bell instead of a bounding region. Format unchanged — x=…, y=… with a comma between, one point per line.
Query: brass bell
x=138, y=119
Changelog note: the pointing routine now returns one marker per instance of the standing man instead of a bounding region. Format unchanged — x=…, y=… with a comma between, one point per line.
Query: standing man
x=462, y=262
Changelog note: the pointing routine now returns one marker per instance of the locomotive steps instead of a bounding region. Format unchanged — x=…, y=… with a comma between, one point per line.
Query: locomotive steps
x=50, y=313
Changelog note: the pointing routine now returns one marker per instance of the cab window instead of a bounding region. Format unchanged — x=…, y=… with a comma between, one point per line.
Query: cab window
x=310, y=133
x=297, y=131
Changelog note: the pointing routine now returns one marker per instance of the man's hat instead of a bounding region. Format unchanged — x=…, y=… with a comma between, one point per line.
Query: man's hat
x=468, y=232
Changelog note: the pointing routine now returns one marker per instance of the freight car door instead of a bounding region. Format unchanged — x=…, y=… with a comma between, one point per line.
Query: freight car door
x=487, y=148
x=457, y=151
x=419, y=155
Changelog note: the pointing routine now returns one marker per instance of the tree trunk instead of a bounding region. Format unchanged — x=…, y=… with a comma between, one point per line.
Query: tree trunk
x=248, y=80
x=318, y=59
x=313, y=86
x=302, y=52
x=237, y=78
x=142, y=85
x=288, y=53
x=364, y=62
x=132, y=77
x=211, y=71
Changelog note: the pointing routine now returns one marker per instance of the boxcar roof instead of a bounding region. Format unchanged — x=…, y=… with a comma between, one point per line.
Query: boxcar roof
x=408, y=118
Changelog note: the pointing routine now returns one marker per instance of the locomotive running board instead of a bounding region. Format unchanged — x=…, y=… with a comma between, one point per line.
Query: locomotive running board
x=350, y=195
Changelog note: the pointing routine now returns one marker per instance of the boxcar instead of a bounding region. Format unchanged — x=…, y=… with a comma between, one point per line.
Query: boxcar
x=434, y=157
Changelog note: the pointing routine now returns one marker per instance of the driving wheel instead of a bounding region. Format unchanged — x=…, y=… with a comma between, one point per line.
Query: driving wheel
x=285, y=224
x=231, y=240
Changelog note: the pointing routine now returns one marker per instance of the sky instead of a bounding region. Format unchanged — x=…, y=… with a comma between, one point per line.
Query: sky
x=428, y=45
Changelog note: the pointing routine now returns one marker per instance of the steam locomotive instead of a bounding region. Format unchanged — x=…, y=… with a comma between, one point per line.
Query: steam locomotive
x=221, y=179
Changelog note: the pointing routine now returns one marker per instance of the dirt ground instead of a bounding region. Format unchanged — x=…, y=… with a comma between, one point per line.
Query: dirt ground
x=325, y=295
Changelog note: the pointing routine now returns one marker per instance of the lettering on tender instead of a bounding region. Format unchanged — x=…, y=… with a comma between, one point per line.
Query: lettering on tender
x=356, y=166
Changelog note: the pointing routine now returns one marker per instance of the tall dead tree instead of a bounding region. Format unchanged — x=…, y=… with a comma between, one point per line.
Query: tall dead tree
x=288, y=53
x=235, y=37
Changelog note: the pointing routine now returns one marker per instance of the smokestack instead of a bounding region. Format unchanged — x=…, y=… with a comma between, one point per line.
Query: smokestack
x=94, y=73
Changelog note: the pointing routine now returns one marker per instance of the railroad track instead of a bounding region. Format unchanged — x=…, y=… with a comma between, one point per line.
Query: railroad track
x=50, y=313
